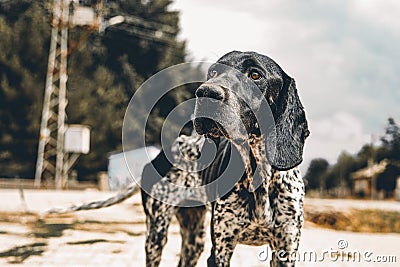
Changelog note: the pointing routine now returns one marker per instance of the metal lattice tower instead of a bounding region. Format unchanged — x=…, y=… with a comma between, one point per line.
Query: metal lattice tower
x=50, y=160
x=53, y=160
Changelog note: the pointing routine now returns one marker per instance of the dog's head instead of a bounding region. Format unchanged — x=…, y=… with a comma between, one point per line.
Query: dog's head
x=249, y=94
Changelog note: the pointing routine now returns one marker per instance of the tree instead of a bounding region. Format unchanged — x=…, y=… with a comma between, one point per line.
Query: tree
x=387, y=179
x=22, y=68
x=391, y=140
x=316, y=174
x=390, y=150
x=103, y=70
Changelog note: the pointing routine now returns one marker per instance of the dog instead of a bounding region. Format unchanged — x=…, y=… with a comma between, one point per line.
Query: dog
x=249, y=111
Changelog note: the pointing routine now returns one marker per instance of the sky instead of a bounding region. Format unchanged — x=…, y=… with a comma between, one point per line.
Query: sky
x=344, y=56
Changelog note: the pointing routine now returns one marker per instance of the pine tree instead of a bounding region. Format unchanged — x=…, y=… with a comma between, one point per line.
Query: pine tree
x=104, y=71
x=22, y=70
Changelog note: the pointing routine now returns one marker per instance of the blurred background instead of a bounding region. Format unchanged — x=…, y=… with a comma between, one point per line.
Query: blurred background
x=105, y=67
x=75, y=64
x=341, y=55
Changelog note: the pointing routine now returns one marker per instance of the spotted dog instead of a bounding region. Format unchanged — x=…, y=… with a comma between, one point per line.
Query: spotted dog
x=250, y=111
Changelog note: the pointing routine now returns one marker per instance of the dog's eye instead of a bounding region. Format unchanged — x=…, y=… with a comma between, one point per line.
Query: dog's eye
x=255, y=75
x=213, y=73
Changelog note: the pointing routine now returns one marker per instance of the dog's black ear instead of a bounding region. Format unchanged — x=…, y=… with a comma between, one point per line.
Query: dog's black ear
x=291, y=127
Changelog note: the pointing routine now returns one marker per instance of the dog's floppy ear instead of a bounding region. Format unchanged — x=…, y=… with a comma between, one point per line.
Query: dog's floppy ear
x=291, y=127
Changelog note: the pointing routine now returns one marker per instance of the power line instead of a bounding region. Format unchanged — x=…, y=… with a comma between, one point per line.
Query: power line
x=156, y=36
x=149, y=24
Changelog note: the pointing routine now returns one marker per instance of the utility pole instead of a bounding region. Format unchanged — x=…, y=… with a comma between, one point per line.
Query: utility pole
x=56, y=153
x=371, y=166
x=55, y=156
x=50, y=160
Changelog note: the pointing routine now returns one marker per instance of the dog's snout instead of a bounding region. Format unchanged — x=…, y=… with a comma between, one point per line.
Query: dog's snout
x=214, y=92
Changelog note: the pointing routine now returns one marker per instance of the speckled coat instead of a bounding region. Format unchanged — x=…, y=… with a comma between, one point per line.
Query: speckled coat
x=257, y=116
x=271, y=214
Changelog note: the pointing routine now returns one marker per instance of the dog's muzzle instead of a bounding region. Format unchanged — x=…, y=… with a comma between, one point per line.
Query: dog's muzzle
x=213, y=92
x=208, y=104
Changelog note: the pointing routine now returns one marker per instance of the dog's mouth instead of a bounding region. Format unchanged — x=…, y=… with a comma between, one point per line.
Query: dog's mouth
x=213, y=134
x=209, y=128
x=206, y=126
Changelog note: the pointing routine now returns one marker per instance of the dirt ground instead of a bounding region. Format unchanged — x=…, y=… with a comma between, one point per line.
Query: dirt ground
x=114, y=236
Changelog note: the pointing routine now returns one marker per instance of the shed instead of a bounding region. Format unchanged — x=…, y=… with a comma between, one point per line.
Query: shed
x=364, y=179
x=120, y=175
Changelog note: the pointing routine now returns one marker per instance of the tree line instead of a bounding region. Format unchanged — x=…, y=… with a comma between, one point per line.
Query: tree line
x=324, y=177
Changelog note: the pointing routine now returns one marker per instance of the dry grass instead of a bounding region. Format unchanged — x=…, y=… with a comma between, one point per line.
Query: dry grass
x=367, y=221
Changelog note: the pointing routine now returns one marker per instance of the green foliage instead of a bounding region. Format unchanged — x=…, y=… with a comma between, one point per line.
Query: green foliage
x=391, y=140
x=22, y=69
x=103, y=70
x=316, y=174
x=387, y=179
x=391, y=151
x=340, y=173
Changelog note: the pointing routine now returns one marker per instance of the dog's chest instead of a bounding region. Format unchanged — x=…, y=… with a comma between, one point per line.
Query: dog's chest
x=272, y=208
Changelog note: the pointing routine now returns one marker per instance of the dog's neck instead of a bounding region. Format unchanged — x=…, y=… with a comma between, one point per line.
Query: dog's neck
x=254, y=157
x=258, y=178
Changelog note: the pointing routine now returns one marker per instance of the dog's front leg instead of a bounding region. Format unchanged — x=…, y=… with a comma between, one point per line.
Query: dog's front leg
x=222, y=236
x=288, y=217
x=226, y=223
x=286, y=244
x=157, y=227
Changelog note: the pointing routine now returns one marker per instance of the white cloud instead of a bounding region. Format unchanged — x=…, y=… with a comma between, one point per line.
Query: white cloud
x=385, y=13
x=211, y=33
x=343, y=55
x=334, y=134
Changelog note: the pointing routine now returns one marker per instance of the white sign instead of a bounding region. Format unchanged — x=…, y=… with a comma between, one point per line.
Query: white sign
x=84, y=16
x=77, y=139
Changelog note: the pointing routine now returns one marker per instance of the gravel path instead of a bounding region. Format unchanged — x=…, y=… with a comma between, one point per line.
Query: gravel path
x=114, y=236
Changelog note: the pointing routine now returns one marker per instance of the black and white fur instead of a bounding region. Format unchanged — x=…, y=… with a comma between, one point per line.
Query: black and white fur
x=265, y=203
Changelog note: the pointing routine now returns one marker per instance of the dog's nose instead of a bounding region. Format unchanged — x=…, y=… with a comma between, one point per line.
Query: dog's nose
x=214, y=92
